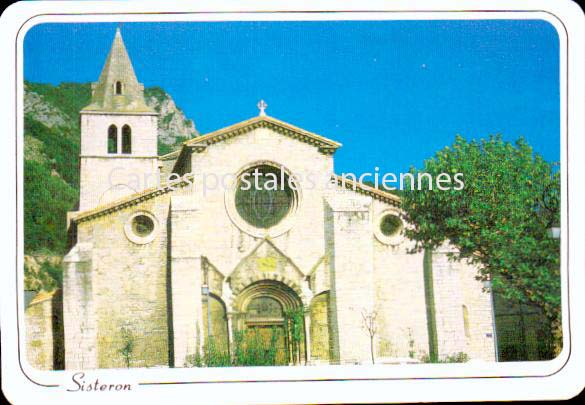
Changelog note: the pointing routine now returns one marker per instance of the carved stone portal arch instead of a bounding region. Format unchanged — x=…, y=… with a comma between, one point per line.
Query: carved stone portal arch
x=267, y=262
x=286, y=297
x=259, y=312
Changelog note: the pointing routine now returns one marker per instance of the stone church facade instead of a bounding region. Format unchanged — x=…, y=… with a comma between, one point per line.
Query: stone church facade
x=177, y=265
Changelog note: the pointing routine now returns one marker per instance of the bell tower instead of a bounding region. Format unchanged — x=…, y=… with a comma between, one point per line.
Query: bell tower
x=118, y=134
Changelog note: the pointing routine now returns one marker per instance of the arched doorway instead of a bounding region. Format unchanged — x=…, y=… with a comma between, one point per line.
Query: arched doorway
x=270, y=315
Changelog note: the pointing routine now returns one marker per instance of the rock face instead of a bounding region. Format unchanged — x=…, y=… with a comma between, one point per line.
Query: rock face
x=173, y=127
x=39, y=109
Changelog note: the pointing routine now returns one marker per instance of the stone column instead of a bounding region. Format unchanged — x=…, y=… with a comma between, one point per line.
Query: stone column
x=308, y=335
x=79, y=317
x=186, y=268
x=349, y=244
x=307, y=298
x=230, y=327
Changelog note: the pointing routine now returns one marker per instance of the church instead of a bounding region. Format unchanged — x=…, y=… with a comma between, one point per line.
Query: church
x=157, y=274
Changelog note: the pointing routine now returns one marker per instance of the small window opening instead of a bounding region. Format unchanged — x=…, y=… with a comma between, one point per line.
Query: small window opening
x=126, y=139
x=112, y=139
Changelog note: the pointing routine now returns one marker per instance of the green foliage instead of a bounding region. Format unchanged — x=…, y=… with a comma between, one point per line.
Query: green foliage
x=216, y=355
x=48, y=277
x=411, y=351
x=157, y=92
x=164, y=148
x=252, y=350
x=69, y=98
x=47, y=199
x=62, y=151
x=294, y=321
x=128, y=343
x=459, y=357
x=522, y=331
x=194, y=360
x=249, y=349
x=167, y=118
x=55, y=273
x=499, y=220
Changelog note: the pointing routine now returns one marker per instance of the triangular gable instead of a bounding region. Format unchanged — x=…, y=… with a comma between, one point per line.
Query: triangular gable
x=324, y=144
x=200, y=143
x=266, y=262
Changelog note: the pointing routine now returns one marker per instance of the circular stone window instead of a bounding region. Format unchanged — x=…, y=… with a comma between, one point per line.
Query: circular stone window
x=141, y=227
x=389, y=228
x=263, y=200
x=390, y=225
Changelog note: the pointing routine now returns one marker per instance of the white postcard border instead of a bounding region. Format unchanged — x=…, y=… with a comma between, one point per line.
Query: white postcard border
x=523, y=380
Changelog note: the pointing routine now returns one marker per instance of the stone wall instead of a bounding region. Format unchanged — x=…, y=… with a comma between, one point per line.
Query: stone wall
x=455, y=287
x=481, y=335
x=106, y=179
x=400, y=302
x=349, y=245
x=129, y=287
x=97, y=167
x=44, y=331
x=319, y=329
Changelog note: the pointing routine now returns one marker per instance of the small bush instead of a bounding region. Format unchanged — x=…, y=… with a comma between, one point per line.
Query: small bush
x=459, y=357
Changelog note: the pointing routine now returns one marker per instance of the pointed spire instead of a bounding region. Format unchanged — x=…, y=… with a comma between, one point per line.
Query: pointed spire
x=118, y=89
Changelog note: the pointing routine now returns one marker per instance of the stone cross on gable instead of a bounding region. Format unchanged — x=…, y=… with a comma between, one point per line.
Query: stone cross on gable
x=262, y=107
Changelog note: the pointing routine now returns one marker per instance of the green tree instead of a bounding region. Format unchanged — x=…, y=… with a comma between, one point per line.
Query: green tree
x=499, y=220
x=47, y=199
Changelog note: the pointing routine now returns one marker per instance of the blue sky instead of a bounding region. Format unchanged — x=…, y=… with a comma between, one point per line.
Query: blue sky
x=393, y=92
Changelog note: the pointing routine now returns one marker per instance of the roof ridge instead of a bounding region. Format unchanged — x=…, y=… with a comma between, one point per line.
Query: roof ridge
x=131, y=199
x=372, y=191
x=216, y=135
x=170, y=154
x=42, y=296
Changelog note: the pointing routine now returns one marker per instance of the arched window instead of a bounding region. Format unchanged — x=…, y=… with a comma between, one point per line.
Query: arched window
x=112, y=139
x=126, y=139
x=118, y=88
